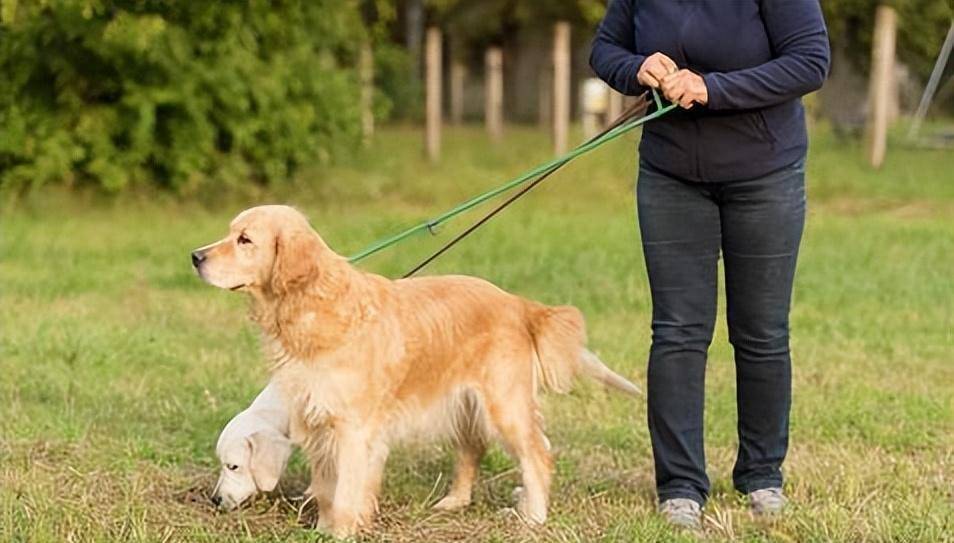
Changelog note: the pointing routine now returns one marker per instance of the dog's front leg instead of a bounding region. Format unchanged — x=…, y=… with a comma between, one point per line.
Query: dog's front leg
x=324, y=478
x=352, y=508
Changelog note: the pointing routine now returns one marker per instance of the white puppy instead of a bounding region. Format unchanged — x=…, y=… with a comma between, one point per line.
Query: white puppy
x=253, y=448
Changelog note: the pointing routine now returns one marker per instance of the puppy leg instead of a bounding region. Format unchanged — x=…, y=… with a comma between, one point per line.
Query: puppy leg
x=465, y=472
x=516, y=421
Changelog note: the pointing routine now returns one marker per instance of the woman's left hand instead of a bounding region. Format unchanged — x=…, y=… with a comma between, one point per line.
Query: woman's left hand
x=685, y=88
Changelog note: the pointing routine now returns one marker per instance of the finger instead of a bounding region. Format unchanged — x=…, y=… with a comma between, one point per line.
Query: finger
x=686, y=102
x=670, y=64
x=648, y=80
x=658, y=71
x=671, y=79
x=674, y=95
x=671, y=84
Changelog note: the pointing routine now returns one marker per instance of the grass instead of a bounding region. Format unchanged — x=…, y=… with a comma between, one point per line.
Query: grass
x=118, y=367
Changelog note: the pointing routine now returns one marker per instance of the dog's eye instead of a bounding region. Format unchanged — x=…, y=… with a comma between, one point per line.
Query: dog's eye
x=232, y=467
x=243, y=239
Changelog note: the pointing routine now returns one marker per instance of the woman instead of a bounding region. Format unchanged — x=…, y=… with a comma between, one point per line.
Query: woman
x=723, y=173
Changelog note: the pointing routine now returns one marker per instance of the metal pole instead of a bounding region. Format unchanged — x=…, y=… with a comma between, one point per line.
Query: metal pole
x=933, y=82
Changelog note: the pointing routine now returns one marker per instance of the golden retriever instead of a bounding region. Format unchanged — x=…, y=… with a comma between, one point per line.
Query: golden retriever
x=363, y=361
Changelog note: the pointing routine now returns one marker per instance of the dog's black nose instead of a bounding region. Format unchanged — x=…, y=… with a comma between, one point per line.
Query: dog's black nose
x=197, y=258
x=217, y=500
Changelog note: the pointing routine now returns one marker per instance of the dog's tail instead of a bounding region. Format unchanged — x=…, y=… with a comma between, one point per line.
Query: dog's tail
x=559, y=337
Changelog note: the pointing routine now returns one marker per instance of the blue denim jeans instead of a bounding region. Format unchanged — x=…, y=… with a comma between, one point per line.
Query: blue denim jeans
x=757, y=226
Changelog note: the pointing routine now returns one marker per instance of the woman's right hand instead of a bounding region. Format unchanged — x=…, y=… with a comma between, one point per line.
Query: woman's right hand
x=654, y=69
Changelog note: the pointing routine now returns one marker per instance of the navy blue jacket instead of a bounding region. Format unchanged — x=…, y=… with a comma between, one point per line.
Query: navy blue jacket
x=757, y=57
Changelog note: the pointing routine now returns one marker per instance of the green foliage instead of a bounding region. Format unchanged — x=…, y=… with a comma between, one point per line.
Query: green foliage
x=479, y=22
x=183, y=93
x=399, y=88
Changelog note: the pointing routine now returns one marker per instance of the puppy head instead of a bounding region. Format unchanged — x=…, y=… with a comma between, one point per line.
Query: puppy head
x=250, y=465
x=269, y=249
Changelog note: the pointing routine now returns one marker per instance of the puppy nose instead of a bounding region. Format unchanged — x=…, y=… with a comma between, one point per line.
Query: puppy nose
x=216, y=500
x=197, y=258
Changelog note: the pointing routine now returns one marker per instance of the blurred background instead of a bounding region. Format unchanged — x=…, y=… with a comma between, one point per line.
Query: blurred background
x=132, y=131
x=187, y=95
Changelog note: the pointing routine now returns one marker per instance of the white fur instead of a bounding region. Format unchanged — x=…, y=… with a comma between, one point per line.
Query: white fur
x=253, y=449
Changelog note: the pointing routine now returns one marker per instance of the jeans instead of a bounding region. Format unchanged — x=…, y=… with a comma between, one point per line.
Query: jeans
x=757, y=225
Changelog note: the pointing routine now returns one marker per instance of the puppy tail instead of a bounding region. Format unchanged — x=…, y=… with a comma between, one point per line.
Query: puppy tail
x=559, y=336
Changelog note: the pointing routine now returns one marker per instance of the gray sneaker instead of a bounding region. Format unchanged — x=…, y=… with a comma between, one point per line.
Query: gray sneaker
x=767, y=501
x=682, y=512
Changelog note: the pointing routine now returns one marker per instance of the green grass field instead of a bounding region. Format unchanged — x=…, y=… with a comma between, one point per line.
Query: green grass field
x=118, y=367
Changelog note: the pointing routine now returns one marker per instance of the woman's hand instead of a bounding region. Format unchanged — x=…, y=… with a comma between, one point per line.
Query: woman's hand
x=685, y=88
x=656, y=67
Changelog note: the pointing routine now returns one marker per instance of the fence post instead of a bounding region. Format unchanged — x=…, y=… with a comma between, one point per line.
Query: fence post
x=458, y=74
x=493, y=108
x=614, y=106
x=561, y=87
x=366, y=74
x=433, y=84
x=880, y=87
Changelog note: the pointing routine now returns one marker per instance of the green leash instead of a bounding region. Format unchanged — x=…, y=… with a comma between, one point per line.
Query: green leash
x=545, y=168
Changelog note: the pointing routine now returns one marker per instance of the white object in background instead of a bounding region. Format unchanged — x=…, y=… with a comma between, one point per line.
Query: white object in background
x=595, y=101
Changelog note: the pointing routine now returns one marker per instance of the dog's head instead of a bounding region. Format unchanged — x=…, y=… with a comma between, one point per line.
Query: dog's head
x=270, y=249
x=250, y=464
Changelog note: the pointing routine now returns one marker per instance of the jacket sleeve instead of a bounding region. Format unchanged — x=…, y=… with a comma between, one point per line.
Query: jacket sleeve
x=799, y=40
x=613, y=56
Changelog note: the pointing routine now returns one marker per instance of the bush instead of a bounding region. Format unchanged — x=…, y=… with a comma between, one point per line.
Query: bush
x=175, y=92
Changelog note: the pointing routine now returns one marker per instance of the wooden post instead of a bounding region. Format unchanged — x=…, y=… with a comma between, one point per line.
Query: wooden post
x=614, y=106
x=433, y=90
x=493, y=107
x=366, y=74
x=879, y=91
x=457, y=76
x=561, y=87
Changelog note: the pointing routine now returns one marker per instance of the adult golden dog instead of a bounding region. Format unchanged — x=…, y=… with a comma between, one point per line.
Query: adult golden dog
x=362, y=361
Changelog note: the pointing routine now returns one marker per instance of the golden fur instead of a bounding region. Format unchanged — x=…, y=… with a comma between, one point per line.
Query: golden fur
x=363, y=361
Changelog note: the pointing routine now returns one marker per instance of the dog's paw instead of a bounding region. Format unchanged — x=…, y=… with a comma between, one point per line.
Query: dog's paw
x=532, y=514
x=451, y=503
x=341, y=524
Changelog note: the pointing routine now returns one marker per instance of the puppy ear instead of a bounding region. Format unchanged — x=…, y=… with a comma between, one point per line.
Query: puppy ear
x=270, y=452
x=296, y=260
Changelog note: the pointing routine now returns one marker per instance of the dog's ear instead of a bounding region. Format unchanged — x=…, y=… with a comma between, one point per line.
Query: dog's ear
x=296, y=260
x=270, y=452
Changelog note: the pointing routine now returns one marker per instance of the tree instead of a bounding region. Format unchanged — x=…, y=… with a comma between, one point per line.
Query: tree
x=182, y=93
